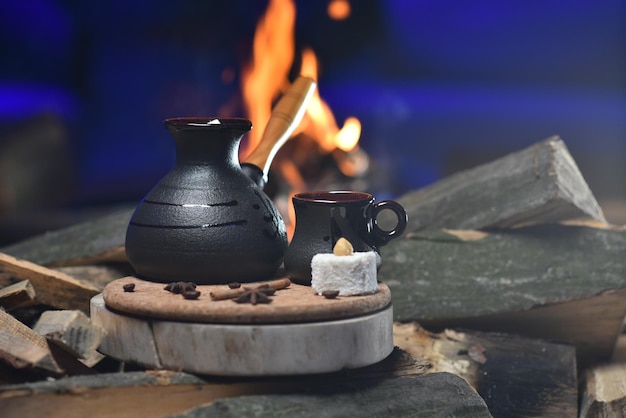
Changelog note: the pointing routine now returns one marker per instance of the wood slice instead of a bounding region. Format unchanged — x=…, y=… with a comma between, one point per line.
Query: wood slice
x=246, y=349
x=296, y=303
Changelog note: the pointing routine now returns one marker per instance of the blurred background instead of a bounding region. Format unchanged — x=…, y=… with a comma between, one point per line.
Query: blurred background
x=435, y=86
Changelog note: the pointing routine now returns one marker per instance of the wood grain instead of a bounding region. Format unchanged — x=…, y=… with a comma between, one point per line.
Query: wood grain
x=70, y=330
x=21, y=347
x=52, y=287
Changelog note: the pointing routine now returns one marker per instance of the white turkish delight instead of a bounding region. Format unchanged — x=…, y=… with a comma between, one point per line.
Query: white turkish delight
x=351, y=275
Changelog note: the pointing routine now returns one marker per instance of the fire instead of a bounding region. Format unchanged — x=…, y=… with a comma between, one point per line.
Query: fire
x=339, y=9
x=267, y=75
x=323, y=126
x=348, y=137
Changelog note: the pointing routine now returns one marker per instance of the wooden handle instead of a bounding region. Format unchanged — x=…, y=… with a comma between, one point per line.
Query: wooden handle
x=286, y=116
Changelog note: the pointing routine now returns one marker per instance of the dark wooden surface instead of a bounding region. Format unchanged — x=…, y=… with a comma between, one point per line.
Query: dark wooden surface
x=431, y=396
x=395, y=387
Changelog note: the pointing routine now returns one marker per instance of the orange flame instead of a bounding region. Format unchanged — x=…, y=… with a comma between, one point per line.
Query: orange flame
x=323, y=125
x=339, y=9
x=266, y=76
x=267, y=73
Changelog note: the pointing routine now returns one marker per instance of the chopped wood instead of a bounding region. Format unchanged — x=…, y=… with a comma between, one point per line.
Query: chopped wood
x=52, y=288
x=604, y=394
x=21, y=347
x=99, y=275
x=100, y=240
x=517, y=377
x=73, y=331
x=549, y=281
x=540, y=184
x=17, y=295
x=165, y=393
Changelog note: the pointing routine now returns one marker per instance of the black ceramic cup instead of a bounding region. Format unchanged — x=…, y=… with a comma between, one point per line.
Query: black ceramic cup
x=324, y=217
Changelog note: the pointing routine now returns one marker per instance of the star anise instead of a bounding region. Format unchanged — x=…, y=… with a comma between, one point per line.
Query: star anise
x=254, y=295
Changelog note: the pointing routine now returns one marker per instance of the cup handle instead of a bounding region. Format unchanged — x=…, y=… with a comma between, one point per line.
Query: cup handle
x=383, y=236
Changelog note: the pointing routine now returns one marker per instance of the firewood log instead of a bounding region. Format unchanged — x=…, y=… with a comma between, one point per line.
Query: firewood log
x=561, y=282
x=540, y=184
x=395, y=387
x=517, y=376
x=17, y=295
x=96, y=241
x=70, y=330
x=52, y=287
x=21, y=347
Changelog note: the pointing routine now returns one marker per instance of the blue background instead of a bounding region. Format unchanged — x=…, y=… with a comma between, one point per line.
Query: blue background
x=439, y=85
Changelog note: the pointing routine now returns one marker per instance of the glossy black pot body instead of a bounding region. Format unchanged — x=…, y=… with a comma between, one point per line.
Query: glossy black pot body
x=324, y=217
x=206, y=221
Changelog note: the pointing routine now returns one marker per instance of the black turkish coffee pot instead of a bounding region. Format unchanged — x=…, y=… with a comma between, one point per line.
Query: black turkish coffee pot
x=208, y=220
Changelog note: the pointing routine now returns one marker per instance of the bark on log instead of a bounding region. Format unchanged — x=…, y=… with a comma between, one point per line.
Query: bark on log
x=97, y=241
x=551, y=281
x=540, y=184
x=516, y=376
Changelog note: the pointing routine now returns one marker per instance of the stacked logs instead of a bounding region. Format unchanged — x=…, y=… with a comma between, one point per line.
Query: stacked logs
x=508, y=288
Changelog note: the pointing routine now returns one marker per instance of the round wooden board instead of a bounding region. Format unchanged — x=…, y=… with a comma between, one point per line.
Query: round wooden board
x=246, y=349
x=294, y=304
